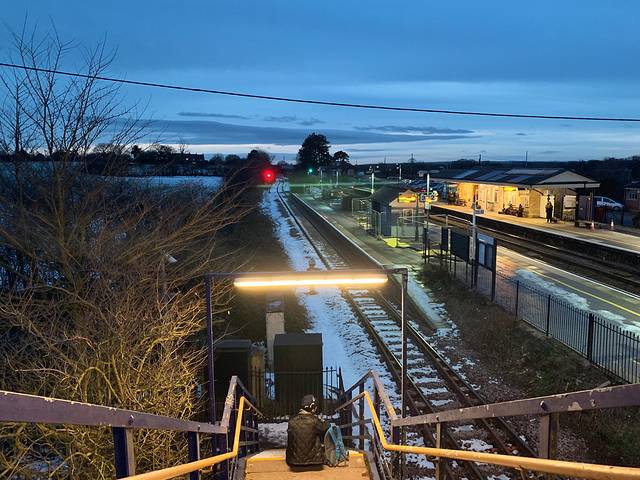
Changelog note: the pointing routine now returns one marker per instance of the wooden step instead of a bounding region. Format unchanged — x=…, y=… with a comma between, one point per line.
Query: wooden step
x=271, y=465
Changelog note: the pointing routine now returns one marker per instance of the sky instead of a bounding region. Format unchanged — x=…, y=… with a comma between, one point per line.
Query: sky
x=560, y=57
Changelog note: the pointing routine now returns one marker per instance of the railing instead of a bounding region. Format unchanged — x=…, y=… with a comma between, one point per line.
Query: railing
x=608, y=346
x=548, y=408
x=243, y=428
x=278, y=394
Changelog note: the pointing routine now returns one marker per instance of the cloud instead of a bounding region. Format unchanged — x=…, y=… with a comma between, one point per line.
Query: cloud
x=549, y=152
x=305, y=122
x=200, y=132
x=413, y=129
x=521, y=134
x=309, y=122
x=211, y=115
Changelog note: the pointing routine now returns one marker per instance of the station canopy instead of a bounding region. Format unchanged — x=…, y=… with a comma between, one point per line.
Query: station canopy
x=517, y=177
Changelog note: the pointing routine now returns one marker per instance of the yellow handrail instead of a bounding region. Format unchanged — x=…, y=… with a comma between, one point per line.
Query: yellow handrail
x=558, y=467
x=185, y=468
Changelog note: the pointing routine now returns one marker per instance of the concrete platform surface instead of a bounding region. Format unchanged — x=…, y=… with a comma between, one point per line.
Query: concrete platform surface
x=629, y=239
x=271, y=465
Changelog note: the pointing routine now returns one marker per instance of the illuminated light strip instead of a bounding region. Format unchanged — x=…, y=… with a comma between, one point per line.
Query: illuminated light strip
x=312, y=282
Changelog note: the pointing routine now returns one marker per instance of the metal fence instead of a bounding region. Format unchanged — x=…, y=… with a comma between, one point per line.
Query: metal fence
x=280, y=393
x=606, y=345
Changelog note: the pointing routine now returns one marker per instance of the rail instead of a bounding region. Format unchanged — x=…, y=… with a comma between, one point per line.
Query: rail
x=24, y=408
x=549, y=407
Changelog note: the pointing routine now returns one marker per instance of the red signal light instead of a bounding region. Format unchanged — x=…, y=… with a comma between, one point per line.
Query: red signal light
x=268, y=175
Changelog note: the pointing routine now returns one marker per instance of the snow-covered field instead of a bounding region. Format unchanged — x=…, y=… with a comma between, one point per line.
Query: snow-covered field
x=210, y=182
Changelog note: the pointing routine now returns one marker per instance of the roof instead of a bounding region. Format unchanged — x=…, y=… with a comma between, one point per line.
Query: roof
x=634, y=184
x=388, y=193
x=526, y=177
x=297, y=339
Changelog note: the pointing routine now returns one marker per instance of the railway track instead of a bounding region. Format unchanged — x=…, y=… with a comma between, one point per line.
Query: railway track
x=433, y=383
x=622, y=277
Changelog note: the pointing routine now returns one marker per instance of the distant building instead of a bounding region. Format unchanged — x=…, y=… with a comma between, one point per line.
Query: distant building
x=632, y=196
x=497, y=189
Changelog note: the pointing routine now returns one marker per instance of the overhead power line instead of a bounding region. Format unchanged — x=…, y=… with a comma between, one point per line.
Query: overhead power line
x=319, y=102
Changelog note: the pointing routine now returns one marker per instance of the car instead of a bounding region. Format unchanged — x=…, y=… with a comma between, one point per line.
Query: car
x=606, y=202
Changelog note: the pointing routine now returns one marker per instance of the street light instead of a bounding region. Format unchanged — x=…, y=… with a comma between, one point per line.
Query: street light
x=310, y=279
x=314, y=278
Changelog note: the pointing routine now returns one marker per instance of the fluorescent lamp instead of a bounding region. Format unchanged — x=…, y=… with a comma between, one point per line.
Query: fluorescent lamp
x=306, y=280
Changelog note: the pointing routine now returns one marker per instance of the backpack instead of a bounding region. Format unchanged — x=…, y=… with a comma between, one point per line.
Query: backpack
x=335, y=453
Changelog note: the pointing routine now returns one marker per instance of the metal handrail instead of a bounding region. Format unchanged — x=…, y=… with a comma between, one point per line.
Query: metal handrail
x=557, y=467
x=598, y=398
x=185, y=468
x=384, y=397
x=25, y=408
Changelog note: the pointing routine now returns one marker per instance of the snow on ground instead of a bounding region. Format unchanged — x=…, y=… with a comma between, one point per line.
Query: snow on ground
x=328, y=312
x=210, y=182
x=434, y=311
x=570, y=297
x=420, y=460
x=476, y=445
x=273, y=433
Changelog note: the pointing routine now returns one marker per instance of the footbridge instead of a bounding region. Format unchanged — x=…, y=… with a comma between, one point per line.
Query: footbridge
x=371, y=425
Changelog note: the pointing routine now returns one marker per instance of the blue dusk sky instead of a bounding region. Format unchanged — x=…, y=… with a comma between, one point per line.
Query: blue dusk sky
x=561, y=57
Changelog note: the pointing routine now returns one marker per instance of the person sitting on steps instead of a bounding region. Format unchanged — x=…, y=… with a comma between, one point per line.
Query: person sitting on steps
x=305, y=433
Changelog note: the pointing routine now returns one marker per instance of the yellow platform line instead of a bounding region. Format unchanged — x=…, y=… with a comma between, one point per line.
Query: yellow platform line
x=588, y=293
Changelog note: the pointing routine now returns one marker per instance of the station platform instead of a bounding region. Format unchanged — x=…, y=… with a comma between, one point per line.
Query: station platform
x=271, y=465
x=347, y=224
x=628, y=240
x=383, y=254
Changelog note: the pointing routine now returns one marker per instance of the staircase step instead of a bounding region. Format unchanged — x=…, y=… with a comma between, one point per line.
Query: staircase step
x=271, y=465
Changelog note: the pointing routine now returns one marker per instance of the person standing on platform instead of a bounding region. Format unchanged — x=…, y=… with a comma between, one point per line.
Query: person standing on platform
x=549, y=209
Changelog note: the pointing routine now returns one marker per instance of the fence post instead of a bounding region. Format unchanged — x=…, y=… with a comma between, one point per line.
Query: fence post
x=590, y=337
x=517, y=297
x=349, y=418
x=398, y=460
x=548, y=314
x=376, y=401
x=125, y=461
x=256, y=434
x=193, y=440
x=548, y=437
x=494, y=270
x=361, y=418
x=440, y=462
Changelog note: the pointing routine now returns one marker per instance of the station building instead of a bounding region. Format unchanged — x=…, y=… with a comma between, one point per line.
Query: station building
x=509, y=190
x=632, y=196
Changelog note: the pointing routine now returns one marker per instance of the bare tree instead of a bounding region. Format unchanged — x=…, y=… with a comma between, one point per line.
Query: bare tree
x=60, y=115
x=90, y=308
x=183, y=147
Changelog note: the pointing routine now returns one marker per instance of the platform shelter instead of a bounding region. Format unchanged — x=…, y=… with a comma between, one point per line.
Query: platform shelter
x=523, y=191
